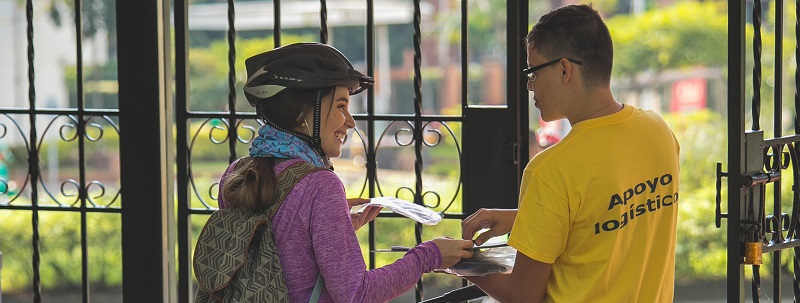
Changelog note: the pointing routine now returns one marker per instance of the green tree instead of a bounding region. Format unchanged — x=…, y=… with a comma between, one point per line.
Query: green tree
x=208, y=70
x=684, y=35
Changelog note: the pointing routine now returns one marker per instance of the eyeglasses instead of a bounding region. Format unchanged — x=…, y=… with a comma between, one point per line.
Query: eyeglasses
x=528, y=72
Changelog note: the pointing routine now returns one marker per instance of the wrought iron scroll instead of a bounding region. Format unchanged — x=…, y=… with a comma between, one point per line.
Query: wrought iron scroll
x=4, y=129
x=401, y=140
x=70, y=131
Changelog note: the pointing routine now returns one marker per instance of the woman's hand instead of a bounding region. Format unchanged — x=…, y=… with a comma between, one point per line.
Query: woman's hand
x=364, y=217
x=452, y=250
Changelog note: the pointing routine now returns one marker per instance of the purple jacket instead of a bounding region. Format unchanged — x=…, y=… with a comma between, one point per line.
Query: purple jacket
x=314, y=234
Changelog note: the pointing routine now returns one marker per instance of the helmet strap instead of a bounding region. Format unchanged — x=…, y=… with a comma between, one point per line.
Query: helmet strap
x=316, y=141
x=300, y=135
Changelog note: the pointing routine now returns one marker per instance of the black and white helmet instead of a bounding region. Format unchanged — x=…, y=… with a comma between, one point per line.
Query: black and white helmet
x=301, y=66
x=307, y=65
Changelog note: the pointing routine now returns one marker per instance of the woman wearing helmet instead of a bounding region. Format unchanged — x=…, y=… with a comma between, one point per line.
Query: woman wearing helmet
x=302, y=93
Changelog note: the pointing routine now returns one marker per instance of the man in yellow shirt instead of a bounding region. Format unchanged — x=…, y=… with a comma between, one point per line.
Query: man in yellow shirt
x=597, y=210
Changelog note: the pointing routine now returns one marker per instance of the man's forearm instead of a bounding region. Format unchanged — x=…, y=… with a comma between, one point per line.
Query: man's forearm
x=502, y=288
x=527, y=282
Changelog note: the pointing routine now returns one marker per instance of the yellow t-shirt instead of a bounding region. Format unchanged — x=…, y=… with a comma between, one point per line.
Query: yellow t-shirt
x=602, y=206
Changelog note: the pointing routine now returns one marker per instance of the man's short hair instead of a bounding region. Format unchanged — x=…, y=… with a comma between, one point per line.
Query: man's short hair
x=577, y=32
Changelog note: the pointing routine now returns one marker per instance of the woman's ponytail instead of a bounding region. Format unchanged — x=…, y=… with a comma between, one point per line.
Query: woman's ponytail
x=251, y=185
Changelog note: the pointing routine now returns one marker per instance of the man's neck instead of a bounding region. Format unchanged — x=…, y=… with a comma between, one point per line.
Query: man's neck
x=595, y=103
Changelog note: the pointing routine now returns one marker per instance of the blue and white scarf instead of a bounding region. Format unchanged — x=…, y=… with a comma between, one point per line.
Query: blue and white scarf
x=272, y=142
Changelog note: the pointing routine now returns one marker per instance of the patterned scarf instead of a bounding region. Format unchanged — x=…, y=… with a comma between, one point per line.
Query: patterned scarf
x=272, y=142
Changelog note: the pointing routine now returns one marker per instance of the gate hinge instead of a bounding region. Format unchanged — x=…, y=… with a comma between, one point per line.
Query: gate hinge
x=718, y=209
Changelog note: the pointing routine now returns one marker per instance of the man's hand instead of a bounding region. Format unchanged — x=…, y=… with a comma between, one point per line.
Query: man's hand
x=498, y=221
x=369, y=213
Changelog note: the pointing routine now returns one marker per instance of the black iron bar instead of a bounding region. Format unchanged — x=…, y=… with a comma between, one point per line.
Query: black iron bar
x=464, y=87
x=64, y=112
x=323, y=21
x=63, y=209
x=33, y=157
x=757, y=179
x=276, y=27
x=784, y=140
x=795, y=167
x=772, y=246
x=778, y=131
x=181, y=11
x=418, y=165
x=756, y=101
x=464, y=59
x=81, y=131
x=357, y=117
x=736, y=145
x=370, y=118
x=231, y=82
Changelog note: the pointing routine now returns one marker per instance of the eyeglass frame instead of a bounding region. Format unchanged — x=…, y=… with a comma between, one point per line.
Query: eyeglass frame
x=530, y=70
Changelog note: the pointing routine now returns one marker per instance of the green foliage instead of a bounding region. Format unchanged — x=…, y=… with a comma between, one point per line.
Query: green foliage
x=686, y=34
x=209, y=141
x=703, y=138
x=701, y=246
x=208, y=69
x=485, y=30
x=443, y=159
x=701, y=249
x=68, y=155
x=60, y=250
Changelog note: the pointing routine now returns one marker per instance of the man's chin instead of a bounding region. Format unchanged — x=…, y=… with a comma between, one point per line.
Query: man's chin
x=548, y=118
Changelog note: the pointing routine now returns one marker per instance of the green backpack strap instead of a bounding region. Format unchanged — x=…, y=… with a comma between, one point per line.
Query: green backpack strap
x=317, y=290
x=287, y=179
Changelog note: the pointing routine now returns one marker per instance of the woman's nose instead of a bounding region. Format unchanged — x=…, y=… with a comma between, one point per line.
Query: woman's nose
x=530, y=85
x=349, y=121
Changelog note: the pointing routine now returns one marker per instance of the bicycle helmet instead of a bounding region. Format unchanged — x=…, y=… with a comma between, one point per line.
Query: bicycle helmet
x=307, y=65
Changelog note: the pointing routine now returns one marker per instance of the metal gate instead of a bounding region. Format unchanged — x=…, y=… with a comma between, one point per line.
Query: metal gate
x=34, y=190
x=488, y=144
x=486, y=141
x=758, y=223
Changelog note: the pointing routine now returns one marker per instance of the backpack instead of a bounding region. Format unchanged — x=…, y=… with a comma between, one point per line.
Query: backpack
x=236, y=260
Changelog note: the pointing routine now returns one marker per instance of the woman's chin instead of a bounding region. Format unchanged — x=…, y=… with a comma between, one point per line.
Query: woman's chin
x=333, y=154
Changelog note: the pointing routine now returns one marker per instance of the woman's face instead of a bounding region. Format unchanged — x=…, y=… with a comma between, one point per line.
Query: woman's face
x=335, y=121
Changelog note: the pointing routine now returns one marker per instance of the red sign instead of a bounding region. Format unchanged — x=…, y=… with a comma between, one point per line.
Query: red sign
x=688, y=95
